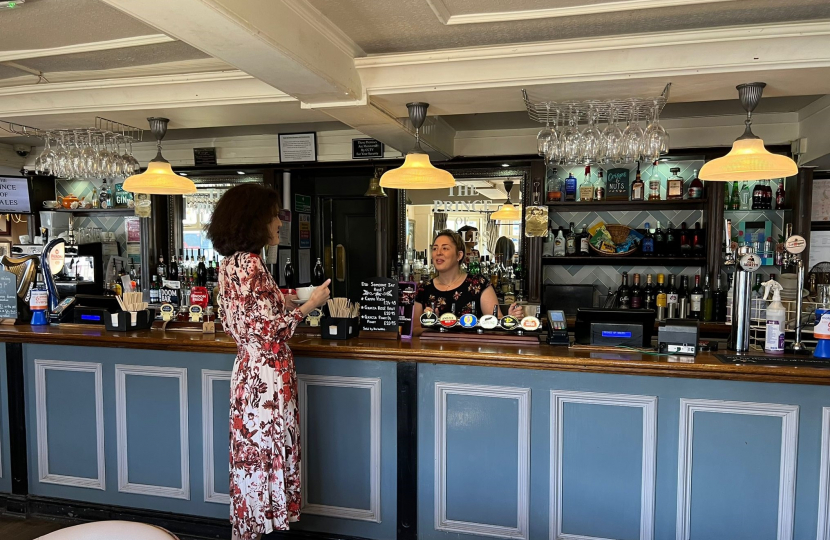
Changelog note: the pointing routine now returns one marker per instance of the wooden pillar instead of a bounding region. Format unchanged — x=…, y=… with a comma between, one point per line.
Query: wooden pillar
x=532, y=256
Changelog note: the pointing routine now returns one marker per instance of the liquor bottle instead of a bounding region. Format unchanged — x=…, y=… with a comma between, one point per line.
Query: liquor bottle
x=746, y=198
x=695, y=187
x=672, y=242
x=719, y=302
x=201, y=271
x=779, y=195
x=683, y=297
x=288, y=274
x=555, y=191
x=636, y=293
x=194, y=268
x=624, y=294
x=638, y=188
x=103, y=195
x=708, y=313
x=661, y=297
x=586, y=190
x=685, y=241
x=767, y=195
x=161, y=269
x=599, y=189
x=726, y=198
x=173, y=270
x=570, y=187
x=570, y=241
x=696, y=302
x=735, y=198
x=647, y=243
x=649, y=294
x=672, y=298
x=584, y=241
x=485, y=268
x=211, y=272
x=697, y=241
x=154, y=290
x=659, y=241
x=186, y=266
x=674, y=185
x=559, y=244
x=758, y=197
x=654, y=184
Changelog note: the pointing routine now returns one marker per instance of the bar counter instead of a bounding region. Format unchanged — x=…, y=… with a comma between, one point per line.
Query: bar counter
x=422, y=439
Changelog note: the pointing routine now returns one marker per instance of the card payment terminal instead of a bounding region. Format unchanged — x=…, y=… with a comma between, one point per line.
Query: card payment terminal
x=558, y=328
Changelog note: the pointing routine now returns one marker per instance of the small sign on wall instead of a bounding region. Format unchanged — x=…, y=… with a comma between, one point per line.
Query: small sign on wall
x=204, y=156
x=14, y=195
x=366, y=148
x=298, y=147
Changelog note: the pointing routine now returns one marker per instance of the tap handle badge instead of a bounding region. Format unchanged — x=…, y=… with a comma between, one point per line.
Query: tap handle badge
x=795, y=244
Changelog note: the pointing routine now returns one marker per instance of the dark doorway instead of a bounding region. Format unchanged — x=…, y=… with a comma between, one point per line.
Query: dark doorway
x=349, y=243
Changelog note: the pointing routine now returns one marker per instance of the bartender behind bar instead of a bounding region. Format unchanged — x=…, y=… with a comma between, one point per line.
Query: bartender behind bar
x=453, y=290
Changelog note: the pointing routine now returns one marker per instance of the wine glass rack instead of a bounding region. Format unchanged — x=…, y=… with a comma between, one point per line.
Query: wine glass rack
x=549, y=112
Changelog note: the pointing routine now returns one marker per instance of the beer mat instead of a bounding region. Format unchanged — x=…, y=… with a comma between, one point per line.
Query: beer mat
x=806, y=361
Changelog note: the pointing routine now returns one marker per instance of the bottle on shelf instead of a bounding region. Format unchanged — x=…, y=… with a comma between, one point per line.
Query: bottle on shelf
x=570, y=187
x=104, y=194
x=173, y=269
x=654, y=184
x=586, y=190
x=672, y=298
x=672, y=242
x=161, y=269
x=779, y=195
x=683, y=294
x=698, y=249
x=696, y=300
x=624, y=293
x=735, y=198
x=636, y=293
x=661, y=297
x=570, y=241
x=659, y=241
x=695, y=190
x=201, y=271
x=647, y=243
x=638, y=187
x=758, y=197
x=649, y=294
x=727, y=201
x=485, y=268
x=584, y=241
x=288, y=273
x=559, y=244
x=554, y=188
x=746, y=197
x=718, y=301
x=768, y=195
x=685, y=241
x=599, y=188
x=708, y=313
x=475, y=266
x=674, y=185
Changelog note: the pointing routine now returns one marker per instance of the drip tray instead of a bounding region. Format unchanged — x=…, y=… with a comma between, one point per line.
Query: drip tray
x=807, y=361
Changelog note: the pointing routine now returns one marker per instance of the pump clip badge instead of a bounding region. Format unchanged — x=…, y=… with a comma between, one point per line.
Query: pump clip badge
x=750, y=262
x=795, y=244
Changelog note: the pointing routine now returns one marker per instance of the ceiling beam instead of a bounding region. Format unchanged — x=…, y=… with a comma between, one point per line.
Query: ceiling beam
x=137, y=41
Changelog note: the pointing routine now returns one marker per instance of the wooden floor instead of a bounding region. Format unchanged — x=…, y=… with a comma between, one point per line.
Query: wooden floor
x=27, y=529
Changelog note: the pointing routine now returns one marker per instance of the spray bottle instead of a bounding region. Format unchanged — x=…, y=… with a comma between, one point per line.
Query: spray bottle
x=776, y=318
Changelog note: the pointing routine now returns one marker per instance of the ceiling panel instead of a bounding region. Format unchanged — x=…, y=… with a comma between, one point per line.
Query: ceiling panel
x=411, y=25
x=10, y=73
x=43, y=24
x=468, y=7
x=116, y=58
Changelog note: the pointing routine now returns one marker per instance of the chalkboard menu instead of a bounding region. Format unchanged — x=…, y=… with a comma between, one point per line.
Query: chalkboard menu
x=616, y=185
x=204, y=156
x=8, y=295
x=379, y=305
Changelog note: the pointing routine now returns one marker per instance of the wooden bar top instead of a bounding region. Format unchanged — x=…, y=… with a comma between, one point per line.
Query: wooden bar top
x=703, y=366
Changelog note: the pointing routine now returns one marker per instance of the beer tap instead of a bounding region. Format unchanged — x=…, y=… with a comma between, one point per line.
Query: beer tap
x=729, y=259
x=794, y=245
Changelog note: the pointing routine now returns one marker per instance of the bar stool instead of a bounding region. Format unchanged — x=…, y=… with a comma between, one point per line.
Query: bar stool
x=111, y=530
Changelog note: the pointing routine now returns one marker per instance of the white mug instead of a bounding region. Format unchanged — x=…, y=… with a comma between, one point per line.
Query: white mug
x=304, y=293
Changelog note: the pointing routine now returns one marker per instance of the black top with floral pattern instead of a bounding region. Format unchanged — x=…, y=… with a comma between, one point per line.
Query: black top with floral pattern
x=464, y=296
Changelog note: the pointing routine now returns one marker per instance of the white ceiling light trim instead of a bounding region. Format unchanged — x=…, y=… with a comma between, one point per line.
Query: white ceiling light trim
x=442, y=11
x=95, y=46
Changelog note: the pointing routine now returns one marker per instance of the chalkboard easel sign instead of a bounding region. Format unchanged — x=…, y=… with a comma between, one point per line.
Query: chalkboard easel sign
x=616, y=184
x=8, y=295
x=379, y=307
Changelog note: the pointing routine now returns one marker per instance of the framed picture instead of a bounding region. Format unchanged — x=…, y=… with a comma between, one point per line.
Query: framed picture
x=5, y=247
x=5, y=225
x=298, y=147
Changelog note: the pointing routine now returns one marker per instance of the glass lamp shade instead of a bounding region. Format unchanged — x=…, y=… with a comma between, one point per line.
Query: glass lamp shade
x=159, y=179
x=748, y=160
x=507, y=212
x=417, y=173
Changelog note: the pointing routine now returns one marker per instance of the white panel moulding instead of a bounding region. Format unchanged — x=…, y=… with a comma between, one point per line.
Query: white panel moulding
x=208, y=377
x=41, y=367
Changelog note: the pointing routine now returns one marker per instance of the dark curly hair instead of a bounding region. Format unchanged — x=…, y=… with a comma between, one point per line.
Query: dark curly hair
x=241, y=218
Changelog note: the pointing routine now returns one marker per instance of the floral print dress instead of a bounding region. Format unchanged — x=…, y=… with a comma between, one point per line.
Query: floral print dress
x=264, y=419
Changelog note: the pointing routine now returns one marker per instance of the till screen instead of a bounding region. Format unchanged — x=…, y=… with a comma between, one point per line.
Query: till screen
x=556, y=316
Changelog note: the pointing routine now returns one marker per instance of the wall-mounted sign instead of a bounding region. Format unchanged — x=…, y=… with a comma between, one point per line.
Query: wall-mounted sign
x=122, y=198
x=14, y=195
x=302, y=203
x=616, y=182
x=133, y=226
x=366, y=148
x=298, y=147
x=204, y=156
x=305, y=230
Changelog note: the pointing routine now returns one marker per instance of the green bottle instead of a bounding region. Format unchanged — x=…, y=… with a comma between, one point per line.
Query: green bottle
x=735, y=201
x=726, y=197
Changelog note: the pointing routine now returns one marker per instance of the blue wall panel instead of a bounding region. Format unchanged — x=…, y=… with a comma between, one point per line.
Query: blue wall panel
x=338, y=446
x=153, y=435
x=221, y=435
x=735, y=470
x=602, y=470
x=70, y=423
x=5, y=458
x=482, y=452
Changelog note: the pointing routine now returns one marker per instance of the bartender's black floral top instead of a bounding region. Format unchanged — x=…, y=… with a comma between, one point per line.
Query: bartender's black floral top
x=463, y=297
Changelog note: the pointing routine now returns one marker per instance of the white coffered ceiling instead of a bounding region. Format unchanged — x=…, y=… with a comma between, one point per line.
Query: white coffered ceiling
x=223, y=63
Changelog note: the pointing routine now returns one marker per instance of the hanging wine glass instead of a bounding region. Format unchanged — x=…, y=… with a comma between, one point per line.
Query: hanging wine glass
x=75, y=159
x=655, y=138
x=118, y=159
x=90, y=157
x=552, y=152
x=543, y=138
x=591, y=138
x=632, y=135
x=612, y=136
x=63, y=167
x=45, y=161
x=572, y=139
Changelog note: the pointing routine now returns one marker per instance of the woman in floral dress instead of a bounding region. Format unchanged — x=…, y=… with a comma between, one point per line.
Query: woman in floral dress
x=264, y=420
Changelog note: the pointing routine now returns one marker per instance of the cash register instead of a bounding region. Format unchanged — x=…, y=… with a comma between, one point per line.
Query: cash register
x=614, y=327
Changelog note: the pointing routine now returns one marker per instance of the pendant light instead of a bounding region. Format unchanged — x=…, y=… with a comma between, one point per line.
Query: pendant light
x=507, y=212
x=374, y=186
x=749, y=159
x=159, y=178
x=417, y=172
